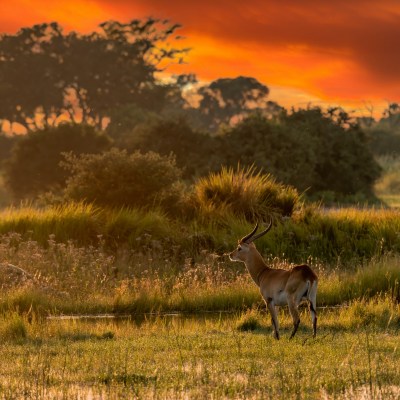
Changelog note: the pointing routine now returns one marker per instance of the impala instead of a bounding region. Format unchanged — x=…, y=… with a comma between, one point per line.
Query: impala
x=278, y=287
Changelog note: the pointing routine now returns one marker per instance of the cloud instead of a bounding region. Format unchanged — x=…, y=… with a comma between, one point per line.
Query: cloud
x=333, y=50
x=327, y=42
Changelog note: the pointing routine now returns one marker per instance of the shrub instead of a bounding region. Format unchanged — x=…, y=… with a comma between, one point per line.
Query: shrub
x=245, y=192
x=307, y=149
x=118, y=179
x=34, y=164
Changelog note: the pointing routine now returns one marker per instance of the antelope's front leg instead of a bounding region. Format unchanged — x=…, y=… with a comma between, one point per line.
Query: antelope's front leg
x=274, y=317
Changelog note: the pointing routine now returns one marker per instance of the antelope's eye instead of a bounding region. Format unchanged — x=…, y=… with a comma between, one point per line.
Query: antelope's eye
x=239, y=248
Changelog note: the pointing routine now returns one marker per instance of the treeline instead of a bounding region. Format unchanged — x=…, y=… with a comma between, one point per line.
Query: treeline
x=102, y=94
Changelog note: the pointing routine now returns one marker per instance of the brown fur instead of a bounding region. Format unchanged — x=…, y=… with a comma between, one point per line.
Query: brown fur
x=280, y=287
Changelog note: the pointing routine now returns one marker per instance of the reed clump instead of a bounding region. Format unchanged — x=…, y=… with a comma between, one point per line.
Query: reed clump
x=244, y=192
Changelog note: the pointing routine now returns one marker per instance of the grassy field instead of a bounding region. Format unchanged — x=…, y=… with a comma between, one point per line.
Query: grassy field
x=355, y=354
x=216, y=341
x=79, y=259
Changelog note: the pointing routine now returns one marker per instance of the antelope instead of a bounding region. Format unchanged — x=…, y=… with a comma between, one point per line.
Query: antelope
x=278, y=287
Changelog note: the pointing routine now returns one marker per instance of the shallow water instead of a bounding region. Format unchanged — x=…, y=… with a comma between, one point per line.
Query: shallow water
x=140, y=319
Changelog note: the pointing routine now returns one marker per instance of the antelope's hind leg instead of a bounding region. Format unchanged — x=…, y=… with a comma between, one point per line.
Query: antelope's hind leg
x=294, y=312
x=274, y=317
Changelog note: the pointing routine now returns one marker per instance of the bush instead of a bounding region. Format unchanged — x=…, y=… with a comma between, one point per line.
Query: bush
x=118, y=179
x=190, y=147
x=306, y=149
x=33, y=167
x=245, y=192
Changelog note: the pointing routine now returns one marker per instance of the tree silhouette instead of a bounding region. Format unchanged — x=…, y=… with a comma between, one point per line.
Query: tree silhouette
x=225, y=98
x=46, y=74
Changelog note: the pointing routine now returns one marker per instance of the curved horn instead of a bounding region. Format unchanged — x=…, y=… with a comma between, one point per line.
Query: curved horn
x=247, y=237
x=263, y=232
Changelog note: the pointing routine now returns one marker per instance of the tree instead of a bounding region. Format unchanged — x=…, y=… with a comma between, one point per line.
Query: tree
x=226, y=98
x=46, y=73
x=343, y=161
x=391, y=115
x=30, y=75
x=7, y=142
x=271, y=146
x=33, y=167
x=118, y=179
x=306, y=149
x=129, y=124
x=193, y=150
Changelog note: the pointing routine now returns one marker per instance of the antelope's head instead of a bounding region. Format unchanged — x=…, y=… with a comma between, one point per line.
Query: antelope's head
x=246, y=246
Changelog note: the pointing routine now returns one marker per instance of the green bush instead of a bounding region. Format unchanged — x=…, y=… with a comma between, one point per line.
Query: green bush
x=307, y=149
x=33, y=167
x=118, y=179
x=244, y=192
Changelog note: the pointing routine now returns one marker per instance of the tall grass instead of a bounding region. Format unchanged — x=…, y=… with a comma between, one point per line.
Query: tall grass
x=83, y=223
x=341, y=236
x=83, y=259
x=377, y=278
x=244, y=192
x=77, y=221
x=65, y=278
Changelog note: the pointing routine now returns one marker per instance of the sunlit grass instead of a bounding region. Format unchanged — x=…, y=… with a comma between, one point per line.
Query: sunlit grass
x=139, y=262
x=244, y=192
x=343, y=236
x=355, y=351
x=64, y=279
x=75, y=220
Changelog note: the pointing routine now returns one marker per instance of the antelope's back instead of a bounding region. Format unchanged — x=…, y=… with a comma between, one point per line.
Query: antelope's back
x=305, y=272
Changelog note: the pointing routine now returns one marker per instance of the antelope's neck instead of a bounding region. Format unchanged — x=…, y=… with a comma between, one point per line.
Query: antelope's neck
x=256, y=267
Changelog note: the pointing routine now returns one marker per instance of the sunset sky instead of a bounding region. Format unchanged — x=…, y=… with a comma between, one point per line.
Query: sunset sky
x=345, y=52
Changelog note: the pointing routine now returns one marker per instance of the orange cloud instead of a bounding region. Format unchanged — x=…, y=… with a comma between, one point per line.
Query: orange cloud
x=343, y=51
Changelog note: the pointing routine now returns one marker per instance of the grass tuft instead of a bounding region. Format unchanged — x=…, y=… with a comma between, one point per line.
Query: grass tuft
x=244, y=192
x=12, y=327
x=249, y=321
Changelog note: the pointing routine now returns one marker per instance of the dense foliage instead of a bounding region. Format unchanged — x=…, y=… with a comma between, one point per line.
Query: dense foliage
x=33, y=167
x=108, y=79
x=118, y=179
x=47, y=73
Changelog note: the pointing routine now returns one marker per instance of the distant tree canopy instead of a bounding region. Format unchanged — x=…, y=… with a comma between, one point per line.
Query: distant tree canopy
x=194, y=151
x=109, y=79
x=384, y=135
x=45, y=73
x=34, y=165
x=226, y=98
x=306, y=149
x=383, y=141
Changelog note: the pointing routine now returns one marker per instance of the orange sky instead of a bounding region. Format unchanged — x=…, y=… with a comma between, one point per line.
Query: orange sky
x=343, y=52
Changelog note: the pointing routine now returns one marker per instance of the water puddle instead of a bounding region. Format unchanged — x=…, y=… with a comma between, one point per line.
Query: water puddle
x=140, y=319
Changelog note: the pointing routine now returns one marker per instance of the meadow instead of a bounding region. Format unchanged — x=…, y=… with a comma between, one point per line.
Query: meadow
x=182, y=321
x=355, y=355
